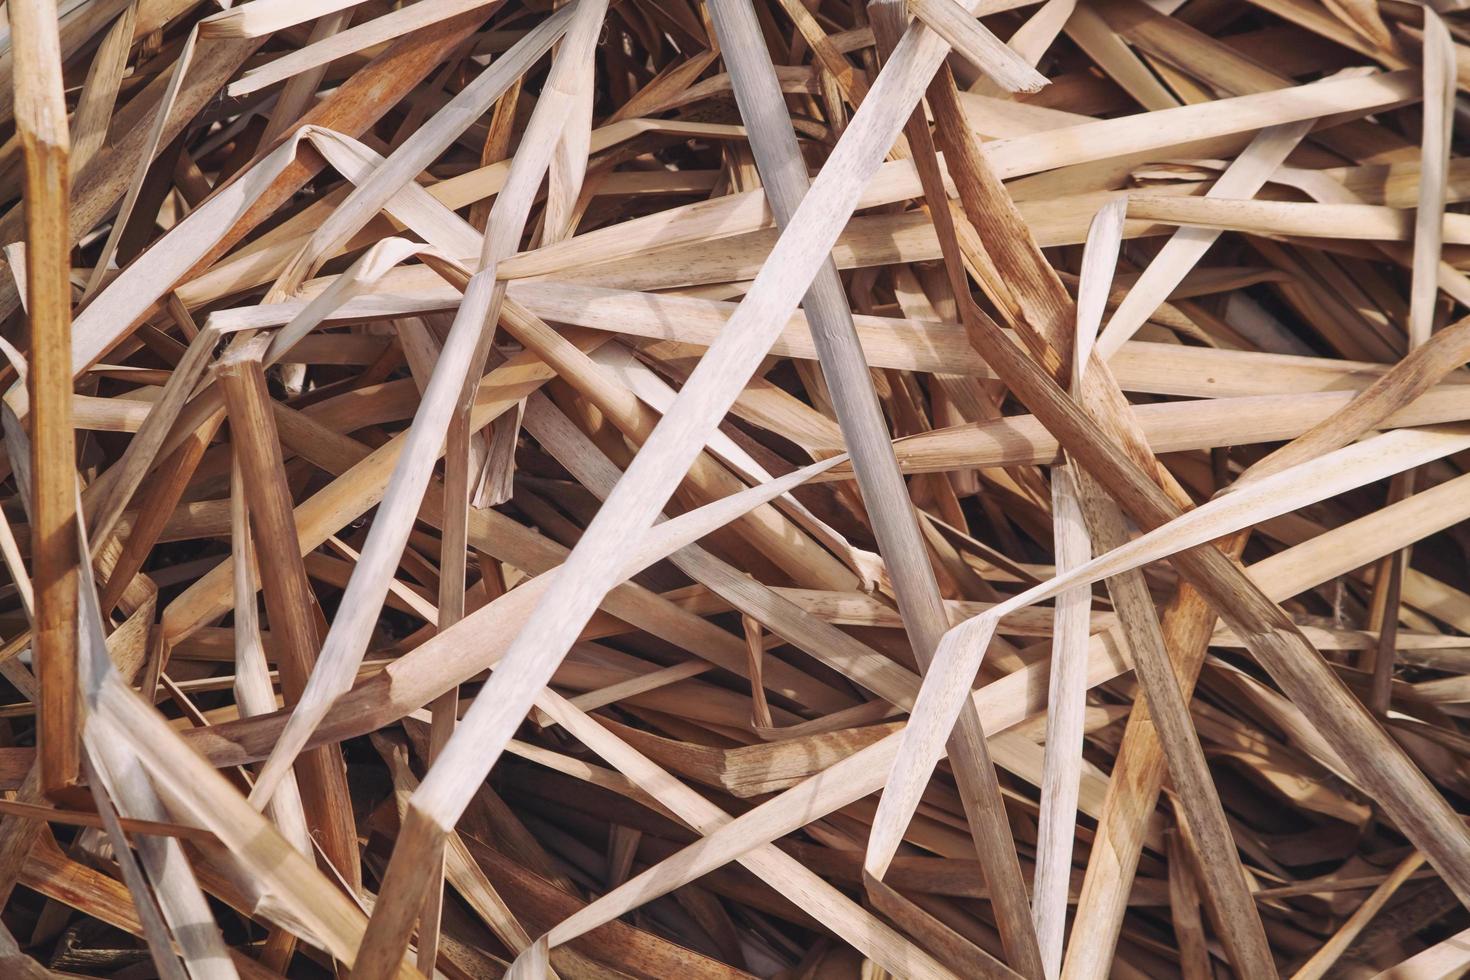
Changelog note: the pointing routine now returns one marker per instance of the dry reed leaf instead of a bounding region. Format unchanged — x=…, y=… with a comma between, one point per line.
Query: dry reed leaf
x=1067, y=690
x=785, y=360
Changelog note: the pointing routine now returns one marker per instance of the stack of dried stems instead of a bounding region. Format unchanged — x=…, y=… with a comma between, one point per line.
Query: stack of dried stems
x=792, y=488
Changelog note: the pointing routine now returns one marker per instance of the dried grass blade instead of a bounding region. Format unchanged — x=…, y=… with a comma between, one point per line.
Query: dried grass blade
x=40, y=116
x=589, y=571
x=1242, y=179
x=465, y=350
x=1067, y=691
x=833, y=331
